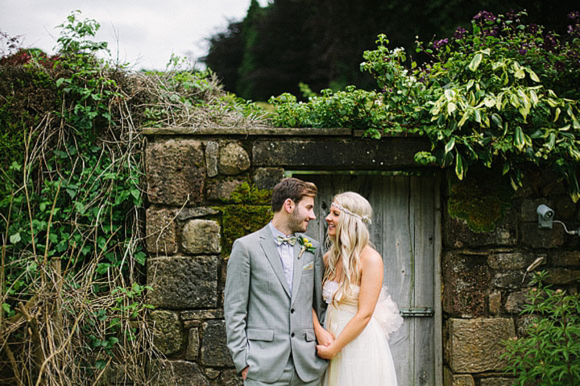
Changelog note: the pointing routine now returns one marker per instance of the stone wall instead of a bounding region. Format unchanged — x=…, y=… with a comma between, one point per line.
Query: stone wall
x=490, y=237
x=484, y=271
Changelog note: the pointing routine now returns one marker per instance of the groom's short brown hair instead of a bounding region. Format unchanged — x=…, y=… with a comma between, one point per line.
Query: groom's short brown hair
x=291, y=188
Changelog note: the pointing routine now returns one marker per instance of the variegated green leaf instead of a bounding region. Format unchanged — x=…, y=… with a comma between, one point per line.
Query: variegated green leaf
x=506, y=168
x=533, y=75
x=557, y=114
x=450, y=145
x=470, y=84
x=519, y=140
x=551, y=141
x=460, y=166
x=451, y=107
x=489, y=102
x=475, y=62
x=496, y=119
x=449, y=94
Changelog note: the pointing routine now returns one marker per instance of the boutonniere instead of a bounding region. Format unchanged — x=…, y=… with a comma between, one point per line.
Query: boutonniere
x=306, y=246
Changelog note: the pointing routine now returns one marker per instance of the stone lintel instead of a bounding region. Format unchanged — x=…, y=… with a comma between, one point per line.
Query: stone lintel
x=387, y=153
x=253, y=131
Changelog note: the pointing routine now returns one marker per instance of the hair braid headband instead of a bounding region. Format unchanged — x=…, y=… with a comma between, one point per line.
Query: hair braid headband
x=364, y=218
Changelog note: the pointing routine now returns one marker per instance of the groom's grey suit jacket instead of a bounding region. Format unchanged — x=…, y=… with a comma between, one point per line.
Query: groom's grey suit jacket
x=265, y=323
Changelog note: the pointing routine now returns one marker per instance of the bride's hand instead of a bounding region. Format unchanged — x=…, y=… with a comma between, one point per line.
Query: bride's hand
x=324, y=337
x=326, y=352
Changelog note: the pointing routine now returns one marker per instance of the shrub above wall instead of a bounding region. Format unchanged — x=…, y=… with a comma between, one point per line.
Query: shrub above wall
x=499, y=94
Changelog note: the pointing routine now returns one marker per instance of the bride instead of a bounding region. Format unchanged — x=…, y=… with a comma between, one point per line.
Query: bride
x=360, y=314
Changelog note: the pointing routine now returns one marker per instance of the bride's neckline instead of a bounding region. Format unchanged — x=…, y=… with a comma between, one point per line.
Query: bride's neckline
x=338, y=283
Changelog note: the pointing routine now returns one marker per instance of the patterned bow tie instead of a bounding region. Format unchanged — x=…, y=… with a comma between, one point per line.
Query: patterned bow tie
x=290, y=240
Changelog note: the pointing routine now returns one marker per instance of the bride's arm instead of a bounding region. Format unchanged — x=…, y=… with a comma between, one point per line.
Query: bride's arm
x=370, y=289
x=323, y=337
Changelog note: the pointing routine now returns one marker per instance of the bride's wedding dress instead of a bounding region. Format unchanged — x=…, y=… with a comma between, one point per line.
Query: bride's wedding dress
x=366, y=360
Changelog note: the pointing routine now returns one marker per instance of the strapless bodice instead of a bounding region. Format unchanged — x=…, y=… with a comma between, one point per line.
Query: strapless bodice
x=329, y=290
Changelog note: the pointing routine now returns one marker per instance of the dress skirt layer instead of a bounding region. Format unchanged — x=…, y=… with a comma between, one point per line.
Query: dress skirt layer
x=366, y=360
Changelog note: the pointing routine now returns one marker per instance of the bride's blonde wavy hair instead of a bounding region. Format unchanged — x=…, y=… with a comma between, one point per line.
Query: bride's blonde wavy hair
x=351, y=237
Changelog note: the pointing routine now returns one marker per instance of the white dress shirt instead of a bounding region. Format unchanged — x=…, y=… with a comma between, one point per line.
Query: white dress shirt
x=286, y=252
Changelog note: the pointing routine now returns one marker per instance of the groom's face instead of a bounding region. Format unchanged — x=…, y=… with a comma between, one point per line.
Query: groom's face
x=302, y=214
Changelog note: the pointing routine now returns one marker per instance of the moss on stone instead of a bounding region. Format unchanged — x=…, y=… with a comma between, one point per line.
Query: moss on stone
x=247, y=212
x=251, y=195
x=240, y=220
x=481, y=200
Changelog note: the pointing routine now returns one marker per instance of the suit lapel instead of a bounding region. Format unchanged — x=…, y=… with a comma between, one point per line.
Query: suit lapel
x=297, y=271
x=269, y=247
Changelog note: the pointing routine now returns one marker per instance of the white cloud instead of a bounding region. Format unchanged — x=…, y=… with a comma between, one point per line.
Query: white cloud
x=143, y=32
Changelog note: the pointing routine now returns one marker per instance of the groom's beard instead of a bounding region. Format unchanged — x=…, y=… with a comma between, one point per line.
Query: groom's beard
x=297, y=223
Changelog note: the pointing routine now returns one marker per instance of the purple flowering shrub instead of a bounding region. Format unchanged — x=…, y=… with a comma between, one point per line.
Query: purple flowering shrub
x=555, y=58
x=504, y=93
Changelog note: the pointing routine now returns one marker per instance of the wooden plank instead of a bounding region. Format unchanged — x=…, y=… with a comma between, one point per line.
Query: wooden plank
x=397, y=248
x=423, y=205
x=437, y=290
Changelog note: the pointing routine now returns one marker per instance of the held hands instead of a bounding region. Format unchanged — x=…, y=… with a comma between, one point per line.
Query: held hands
x=326, y=352
x=325, y=348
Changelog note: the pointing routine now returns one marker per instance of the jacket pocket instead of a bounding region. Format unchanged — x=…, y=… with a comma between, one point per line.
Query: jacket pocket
x=258, y=334
x=310, y=336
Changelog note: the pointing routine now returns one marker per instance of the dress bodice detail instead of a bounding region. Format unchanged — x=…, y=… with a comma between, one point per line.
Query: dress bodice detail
x=330, y=288
x=328, y=291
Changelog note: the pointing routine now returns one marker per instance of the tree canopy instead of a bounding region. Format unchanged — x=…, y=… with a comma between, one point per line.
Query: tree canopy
x=320, y=43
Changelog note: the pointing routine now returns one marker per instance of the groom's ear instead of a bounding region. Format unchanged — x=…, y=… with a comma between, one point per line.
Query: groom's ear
x=289, y=205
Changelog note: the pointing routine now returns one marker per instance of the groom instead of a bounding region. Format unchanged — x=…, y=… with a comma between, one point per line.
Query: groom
x=273, y=284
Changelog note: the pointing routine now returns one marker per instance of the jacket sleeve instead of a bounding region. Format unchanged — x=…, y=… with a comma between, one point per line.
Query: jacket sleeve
x=317, y=302
x=236, y=296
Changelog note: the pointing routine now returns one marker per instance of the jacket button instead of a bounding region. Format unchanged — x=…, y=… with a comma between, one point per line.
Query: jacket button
x=292, y=335
x=292, y=311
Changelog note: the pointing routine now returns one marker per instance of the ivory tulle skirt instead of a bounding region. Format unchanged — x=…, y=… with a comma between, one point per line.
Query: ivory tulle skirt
x=367, y=360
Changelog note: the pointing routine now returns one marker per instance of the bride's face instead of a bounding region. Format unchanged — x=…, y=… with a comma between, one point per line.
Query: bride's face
x=332, y=221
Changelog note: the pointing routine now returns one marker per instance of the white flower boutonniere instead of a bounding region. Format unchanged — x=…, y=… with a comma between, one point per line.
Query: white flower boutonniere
x=306, y=246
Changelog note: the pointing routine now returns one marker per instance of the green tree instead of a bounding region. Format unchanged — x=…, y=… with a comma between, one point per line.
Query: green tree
x=320, y=43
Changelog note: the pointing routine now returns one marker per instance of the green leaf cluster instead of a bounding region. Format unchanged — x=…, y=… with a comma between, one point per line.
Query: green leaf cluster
x=549, y=353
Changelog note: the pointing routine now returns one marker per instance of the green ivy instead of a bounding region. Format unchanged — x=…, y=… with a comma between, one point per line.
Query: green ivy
x=549, y=352
x=73, y=195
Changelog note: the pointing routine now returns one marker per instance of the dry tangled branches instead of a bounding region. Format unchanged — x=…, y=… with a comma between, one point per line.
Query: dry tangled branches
x=76, y=302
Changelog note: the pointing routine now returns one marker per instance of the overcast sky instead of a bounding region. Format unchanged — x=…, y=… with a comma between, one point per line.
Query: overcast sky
x=142, y=32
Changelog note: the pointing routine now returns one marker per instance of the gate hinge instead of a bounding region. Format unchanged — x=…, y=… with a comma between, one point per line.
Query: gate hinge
x=416, y=312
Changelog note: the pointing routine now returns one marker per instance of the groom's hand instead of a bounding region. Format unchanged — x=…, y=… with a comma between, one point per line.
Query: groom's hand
x=326, y=352
x=245, y=373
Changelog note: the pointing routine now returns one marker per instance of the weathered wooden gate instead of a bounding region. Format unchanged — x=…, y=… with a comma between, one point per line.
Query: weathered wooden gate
x=406, y=232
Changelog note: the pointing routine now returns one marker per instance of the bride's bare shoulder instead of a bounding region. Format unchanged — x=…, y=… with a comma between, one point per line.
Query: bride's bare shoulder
x=369, y=256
